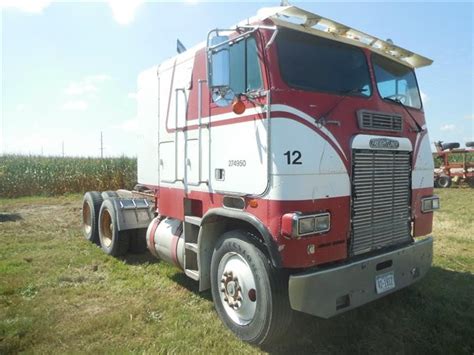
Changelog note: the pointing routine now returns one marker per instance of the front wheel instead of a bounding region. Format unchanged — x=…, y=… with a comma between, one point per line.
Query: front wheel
x=250, y=295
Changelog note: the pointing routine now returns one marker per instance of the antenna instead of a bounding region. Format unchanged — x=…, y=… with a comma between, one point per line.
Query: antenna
x=284, y=3
x=63, y=148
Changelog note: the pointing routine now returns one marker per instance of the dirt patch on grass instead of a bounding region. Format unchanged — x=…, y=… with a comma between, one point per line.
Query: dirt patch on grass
x=10, y=217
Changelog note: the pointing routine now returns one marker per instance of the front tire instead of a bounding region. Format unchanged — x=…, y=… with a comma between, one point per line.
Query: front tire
x=250, y=295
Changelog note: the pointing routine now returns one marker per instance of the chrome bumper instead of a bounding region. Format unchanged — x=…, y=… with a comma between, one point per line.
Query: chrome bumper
x=329, y=292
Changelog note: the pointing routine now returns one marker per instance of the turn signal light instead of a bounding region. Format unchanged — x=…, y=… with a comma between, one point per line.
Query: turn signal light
x=253, y=203
x=238, y=106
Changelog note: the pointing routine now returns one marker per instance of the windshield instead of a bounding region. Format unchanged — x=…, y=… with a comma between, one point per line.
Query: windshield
x=314, y=63
x=396, y=81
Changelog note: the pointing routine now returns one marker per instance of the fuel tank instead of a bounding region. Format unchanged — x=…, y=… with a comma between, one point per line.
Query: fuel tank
x=165, y=240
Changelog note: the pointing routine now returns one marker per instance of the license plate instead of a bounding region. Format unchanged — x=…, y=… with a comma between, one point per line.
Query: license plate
x=385, y=282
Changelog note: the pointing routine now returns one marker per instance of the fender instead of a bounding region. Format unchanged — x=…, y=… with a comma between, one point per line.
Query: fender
x=212, y=228
x=132, y=213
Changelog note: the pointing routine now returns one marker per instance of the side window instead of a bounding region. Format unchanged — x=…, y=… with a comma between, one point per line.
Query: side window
x=254, y=76
x=241, y=80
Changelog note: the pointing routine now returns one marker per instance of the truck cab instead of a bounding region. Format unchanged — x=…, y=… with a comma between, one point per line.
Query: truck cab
x=290, y=168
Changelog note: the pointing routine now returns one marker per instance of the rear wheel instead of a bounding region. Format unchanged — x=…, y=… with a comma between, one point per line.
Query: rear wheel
x=109, y=194
x=137, y=241
x=112, y=241
x=444, y=181
x=250, y=296
x=90, y=215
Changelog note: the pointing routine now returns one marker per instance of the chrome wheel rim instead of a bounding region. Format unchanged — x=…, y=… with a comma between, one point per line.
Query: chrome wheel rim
x=86, y=218
x=106, y=229
x=237, y=288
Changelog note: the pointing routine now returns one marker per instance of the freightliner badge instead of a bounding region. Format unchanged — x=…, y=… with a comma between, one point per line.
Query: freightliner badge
x=383, y=143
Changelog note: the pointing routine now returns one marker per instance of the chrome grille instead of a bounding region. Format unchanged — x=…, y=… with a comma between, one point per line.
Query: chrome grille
x=379, y=121
x=380, y=199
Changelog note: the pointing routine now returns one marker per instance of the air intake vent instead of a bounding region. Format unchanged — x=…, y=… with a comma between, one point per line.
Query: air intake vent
x=379, y=121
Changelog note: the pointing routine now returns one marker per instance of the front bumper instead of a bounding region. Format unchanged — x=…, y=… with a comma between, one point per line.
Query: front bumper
x=329, y=292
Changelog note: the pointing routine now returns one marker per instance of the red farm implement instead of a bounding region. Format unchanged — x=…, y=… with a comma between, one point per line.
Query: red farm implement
x=453, y=164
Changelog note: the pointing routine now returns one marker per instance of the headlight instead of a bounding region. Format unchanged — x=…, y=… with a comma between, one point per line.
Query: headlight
x=305, y=225
x=296, y=225
x=322, y=223
x=429, y=204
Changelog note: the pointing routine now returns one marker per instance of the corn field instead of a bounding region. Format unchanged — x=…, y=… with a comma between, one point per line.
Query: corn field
x=38, y=175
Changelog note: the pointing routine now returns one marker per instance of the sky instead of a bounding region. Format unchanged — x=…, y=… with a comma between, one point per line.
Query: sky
x=69, y=69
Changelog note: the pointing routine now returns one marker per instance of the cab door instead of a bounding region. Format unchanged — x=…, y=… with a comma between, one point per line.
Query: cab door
x=239, y=142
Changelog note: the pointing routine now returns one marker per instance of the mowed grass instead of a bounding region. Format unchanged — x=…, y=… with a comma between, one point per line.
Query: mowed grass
x=59, y=293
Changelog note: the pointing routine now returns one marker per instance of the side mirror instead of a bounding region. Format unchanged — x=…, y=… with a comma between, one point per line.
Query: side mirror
x=218, y=73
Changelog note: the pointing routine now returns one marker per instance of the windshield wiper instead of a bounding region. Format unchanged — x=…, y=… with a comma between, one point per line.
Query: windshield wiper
x=397, y=101
x=345, y=93
x=352, y=91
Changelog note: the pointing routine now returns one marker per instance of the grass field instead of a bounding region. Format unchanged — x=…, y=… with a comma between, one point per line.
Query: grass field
x=59, y=293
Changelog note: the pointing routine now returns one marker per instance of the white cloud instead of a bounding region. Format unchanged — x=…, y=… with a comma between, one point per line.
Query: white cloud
x=32, y=6
x=80, y=88
x=424, y=97
x=469, y=117
x=34, y=143
x=130, y=126
x=51, y=142
x=123, y=11
x=132, y=95
x=79, y=105
x=448, y=127
x=88, y=85
x=21, y=107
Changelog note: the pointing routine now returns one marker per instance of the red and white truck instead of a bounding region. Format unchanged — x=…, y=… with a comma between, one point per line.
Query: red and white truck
x=285, y=165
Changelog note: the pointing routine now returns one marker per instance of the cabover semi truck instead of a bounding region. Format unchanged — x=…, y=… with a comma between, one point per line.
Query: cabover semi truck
x=285, y=165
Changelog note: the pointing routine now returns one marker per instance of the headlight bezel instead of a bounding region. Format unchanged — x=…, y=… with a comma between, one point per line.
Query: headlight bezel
x=430, y=204
x=299, y=217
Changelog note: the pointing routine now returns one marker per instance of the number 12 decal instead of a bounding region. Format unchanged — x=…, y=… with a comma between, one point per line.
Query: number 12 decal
x=296, y=154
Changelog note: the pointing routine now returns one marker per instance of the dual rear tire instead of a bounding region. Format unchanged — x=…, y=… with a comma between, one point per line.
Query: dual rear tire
x=90, y=216
x=99, y=225
x=112, y=241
